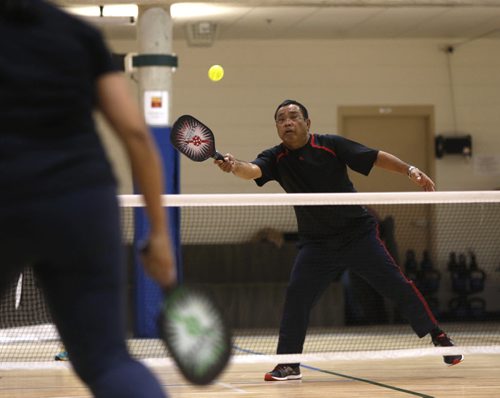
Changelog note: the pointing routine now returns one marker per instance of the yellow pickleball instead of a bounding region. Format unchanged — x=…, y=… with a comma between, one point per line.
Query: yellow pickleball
x=216, y=73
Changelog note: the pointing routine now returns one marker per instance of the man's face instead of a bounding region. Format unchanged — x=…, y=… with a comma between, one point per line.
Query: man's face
x=292, y=128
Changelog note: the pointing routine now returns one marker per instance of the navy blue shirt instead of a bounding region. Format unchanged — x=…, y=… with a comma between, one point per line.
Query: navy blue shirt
x=48, y=71
x=321, y=167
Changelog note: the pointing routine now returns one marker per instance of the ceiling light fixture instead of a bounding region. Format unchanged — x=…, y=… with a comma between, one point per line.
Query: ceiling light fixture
x=88, y=11
x=194, y=10
x=111, y=10
x=113, y=14
x=120, y=10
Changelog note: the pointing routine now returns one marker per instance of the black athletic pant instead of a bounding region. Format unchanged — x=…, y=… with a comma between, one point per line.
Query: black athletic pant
x=318, y=264
x=74, y=243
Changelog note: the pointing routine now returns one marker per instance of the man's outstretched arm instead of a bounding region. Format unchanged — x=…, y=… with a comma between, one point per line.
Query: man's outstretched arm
x=390, y=162
x=239, y=168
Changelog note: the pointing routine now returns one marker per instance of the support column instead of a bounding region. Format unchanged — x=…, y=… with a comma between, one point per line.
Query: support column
x=155, y=62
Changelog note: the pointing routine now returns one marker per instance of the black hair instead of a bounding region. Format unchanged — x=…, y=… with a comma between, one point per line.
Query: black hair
x=17, y=10
x=287, y=102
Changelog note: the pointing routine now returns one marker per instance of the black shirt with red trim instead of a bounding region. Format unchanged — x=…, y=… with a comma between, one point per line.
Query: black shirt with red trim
x=321, y=167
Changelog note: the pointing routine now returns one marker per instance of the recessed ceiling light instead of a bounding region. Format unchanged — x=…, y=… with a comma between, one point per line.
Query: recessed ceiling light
x=192, y=10
x=111, y=10
x=120, y=10
x=88, y=11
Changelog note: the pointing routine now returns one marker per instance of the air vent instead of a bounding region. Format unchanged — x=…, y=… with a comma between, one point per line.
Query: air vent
x=201, y=34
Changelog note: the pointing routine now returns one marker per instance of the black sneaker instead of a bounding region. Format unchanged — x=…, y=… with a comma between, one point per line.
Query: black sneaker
x=442, y=340
x=283, y=372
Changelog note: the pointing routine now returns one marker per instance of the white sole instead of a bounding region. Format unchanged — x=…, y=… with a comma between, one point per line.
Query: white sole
x=295, y=377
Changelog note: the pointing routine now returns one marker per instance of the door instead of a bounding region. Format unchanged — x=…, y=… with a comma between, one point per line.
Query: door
x=408, y=133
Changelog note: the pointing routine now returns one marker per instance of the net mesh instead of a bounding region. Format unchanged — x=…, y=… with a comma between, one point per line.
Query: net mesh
x=241, y=248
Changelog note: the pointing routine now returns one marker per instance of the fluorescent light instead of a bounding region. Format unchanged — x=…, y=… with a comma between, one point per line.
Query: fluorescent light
x=112, y=10
x=192, y=10
x=120, y=10
x=110, y=20
x=88, y=11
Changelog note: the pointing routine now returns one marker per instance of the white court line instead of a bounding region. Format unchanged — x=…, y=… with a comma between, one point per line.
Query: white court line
x=44, y=332
x=318, y=357
x=230, y=387
x=364, y=355
x=35, y=365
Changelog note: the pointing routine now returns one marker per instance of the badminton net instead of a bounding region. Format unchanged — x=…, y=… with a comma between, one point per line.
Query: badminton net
x=241, y=248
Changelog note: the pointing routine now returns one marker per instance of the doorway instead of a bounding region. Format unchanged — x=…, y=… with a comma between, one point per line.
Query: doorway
x=408, y=133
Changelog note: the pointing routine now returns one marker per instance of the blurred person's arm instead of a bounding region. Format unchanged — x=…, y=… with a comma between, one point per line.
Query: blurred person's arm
x=124, y=115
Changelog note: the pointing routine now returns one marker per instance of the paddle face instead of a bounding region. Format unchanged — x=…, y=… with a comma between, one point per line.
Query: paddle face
x=195, y=334
x=193, y=139
x=194, y=331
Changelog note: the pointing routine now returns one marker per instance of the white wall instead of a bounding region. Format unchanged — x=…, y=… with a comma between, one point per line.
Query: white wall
x=325, y=74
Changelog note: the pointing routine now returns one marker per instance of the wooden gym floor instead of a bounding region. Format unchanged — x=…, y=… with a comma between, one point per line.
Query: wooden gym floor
x=477, y=377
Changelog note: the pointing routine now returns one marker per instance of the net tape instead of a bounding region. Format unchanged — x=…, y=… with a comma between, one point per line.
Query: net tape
x=354, y=198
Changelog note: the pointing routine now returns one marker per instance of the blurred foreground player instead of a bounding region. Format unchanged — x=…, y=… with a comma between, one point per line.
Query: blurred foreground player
x=58, y=207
